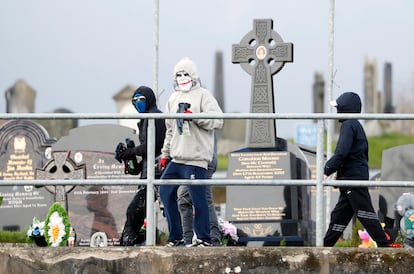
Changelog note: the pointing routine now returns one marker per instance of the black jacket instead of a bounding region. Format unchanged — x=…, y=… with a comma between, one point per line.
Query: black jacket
x=350, y=159
x=141, y=149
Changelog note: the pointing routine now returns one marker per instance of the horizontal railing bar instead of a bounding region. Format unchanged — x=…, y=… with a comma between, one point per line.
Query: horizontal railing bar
x=293, y=116
x=212, y=182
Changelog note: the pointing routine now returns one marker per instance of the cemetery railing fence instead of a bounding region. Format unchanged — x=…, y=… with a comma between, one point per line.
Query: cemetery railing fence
x=319, y=183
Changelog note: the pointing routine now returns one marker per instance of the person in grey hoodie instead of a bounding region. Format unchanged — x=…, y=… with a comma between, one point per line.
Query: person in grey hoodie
x=187, y=151
x=350, y=162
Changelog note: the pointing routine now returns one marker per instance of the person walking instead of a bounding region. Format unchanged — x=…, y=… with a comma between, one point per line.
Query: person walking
x=144, y=101
x=188, y=148
x=350, y=162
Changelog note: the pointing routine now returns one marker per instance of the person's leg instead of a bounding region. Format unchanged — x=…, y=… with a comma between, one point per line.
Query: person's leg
x=341, y=215
x=362, y=204
x=135, y=217
x=199, y=198
x=215, y=233
x=168, y=194
x=186, y=211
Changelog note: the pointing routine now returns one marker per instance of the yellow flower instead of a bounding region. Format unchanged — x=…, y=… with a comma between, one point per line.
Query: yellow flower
x=56, y=229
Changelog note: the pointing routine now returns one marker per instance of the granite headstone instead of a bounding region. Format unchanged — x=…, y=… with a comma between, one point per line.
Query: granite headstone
x=264, y=211
x=397, y=165
x=24, y=147
x=98, y=208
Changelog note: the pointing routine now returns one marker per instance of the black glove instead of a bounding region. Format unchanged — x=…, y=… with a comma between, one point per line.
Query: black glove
x=182, y=108
x=127, y=154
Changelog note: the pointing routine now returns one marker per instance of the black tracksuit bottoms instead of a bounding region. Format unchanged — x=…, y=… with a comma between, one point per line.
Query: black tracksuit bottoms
x=352, y=201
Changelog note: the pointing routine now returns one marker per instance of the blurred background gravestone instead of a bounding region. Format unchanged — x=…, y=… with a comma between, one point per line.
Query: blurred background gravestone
x=20, y=98
x=397, y=165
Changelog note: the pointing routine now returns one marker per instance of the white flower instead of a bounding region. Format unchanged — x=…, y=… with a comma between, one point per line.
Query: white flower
x=56, y=229
x=36, y=229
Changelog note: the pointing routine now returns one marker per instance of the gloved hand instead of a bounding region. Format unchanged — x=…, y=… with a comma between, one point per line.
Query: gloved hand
x=187, y=111
x=163, y=163
x=127, y=154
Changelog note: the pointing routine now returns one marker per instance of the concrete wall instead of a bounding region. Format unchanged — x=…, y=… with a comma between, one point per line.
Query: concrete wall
x=153, y=260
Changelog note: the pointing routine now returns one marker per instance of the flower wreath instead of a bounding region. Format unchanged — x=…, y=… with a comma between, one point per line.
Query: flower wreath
x=57, y=226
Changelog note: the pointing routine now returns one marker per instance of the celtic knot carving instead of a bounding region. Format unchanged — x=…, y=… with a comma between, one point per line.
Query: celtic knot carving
x=261, y=30
x=261, y=74
x=260, y=94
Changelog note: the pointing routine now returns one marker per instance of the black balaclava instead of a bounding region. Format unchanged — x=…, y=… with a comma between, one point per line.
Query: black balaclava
x=149, y=95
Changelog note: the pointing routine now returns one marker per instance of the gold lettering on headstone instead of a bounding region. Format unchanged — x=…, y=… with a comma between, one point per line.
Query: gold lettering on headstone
x=257, y=213
x=260, y=165
x=20, y=165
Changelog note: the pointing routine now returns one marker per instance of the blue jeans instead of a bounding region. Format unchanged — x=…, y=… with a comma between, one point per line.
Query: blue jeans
x=168, y=194
x=186, y=210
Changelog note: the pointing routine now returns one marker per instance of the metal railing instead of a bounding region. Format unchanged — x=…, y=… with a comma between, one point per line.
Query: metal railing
x=151, y=181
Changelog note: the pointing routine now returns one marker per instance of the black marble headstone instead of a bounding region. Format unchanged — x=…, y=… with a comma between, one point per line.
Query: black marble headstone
x=265, y=210
x=98, y=208
x=24, y=146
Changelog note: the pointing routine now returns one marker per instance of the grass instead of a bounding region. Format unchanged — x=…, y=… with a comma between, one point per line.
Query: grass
x=378, y=144
x=13, y=237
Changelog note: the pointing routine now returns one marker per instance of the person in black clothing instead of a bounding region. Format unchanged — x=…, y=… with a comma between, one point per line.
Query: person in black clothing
x=350, y=162
x=144, y=102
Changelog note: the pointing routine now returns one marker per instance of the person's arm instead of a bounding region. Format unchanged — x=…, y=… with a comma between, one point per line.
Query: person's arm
x=209, y=105
x=342, y=150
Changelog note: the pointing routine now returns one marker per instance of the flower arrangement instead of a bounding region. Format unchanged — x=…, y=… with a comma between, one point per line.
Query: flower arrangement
x=57, y=226
x=229, y=233
x=36, y=232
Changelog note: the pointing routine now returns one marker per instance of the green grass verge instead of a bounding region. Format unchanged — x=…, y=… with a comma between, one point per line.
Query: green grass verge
x=14, y=237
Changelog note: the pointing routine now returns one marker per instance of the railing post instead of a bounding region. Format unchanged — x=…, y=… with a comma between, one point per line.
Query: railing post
x=150, y=232
x=319, y=184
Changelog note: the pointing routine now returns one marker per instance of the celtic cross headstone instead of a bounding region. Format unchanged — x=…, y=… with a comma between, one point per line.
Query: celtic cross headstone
x=262, y=53
x=266, y=213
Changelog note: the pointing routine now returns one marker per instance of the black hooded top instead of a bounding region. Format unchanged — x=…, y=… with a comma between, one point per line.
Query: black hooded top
x=350, y=159
x=151, y=107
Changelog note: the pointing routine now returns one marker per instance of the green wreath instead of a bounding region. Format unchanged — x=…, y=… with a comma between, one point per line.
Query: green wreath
x=57, y=226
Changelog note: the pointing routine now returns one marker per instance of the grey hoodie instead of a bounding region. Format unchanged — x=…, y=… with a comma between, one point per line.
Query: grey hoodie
x=197, y=148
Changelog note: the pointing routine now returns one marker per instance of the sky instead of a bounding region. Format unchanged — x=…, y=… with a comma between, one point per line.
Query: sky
x=78, y=54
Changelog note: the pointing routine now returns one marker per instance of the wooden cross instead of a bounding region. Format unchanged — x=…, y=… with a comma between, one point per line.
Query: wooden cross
x=262, y=53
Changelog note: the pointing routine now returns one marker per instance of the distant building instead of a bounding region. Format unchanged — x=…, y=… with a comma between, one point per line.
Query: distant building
x=124, y=105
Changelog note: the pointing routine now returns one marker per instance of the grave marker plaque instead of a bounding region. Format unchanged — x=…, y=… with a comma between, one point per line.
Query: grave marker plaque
x=263, y=211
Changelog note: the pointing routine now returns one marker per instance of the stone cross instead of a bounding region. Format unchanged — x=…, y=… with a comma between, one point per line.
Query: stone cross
x=262, y=53
x=61, y=167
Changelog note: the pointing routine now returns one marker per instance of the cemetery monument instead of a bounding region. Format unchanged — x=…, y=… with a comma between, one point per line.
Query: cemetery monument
x=263, y=211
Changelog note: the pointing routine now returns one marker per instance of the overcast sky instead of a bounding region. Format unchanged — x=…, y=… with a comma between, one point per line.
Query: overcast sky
x=78, y=54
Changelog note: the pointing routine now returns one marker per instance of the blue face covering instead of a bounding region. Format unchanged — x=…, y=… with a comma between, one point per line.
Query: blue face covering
x=140, y=102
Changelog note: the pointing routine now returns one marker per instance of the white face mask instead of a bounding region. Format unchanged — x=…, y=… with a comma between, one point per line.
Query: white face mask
x=184, y=81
